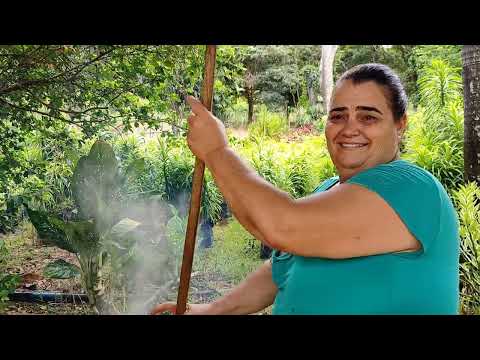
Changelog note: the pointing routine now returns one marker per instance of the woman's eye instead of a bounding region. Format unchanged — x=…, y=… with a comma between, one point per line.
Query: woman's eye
x=369, y=118
x=336, y=117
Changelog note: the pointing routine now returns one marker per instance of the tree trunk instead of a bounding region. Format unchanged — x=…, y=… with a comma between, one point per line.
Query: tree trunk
x=249, y=94
x=311, y=93
x=326, y=73
x=250, y=109
x=471, y=92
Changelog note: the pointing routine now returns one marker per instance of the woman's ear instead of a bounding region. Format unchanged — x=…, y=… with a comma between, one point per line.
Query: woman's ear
x=402, y=125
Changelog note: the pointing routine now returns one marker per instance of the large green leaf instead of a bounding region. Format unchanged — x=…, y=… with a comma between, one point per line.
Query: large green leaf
x=121, y=239
x=50, y=230
x=60, y=269
x=94, y=184
x=83, y=236
x=123, y=227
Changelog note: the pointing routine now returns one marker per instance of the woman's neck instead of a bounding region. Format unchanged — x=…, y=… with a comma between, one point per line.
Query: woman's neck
x=343, y=177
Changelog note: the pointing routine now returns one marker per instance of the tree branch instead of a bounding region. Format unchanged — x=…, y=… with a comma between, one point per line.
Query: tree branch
x=39, y=82
x=67, y=111
x=77, y=123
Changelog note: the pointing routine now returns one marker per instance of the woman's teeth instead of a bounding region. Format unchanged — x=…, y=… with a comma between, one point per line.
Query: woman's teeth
x=350, y=146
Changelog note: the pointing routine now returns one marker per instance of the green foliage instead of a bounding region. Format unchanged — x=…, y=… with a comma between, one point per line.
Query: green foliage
x=175, y=231
x=39, y=175
x=435, y=149
x=467, y=199
x=236, y=115
x=95, y=185
x=3, y=252
x=80, y=238
x=281, y=74
x=348, y=56
x=49, y=229
x=296, y=168
x=229, y=74
x=407, y=61
x=450, y=54
x=8, y=282
x=277, y=76
x=439, y=85
x=268, y=124
x=167, y=172
x=60, y=269
x=234, y=253
x=434, y=139
x=304, y=115
x=9, y=212
x=118, y=271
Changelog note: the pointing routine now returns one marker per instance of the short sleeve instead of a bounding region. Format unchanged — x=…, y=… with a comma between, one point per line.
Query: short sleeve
x=281, y=266
x=282, y=262
x=411, y=192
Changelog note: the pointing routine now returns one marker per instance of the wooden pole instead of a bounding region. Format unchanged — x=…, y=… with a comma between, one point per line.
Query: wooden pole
x=198, y=172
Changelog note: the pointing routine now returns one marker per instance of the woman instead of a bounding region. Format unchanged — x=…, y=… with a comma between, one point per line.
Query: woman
x=379, y=238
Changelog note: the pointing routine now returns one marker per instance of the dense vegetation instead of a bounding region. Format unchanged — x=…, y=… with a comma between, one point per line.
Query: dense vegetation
x=61, y=105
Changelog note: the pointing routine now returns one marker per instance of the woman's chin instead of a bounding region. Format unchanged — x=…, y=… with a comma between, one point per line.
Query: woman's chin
x=351, y=164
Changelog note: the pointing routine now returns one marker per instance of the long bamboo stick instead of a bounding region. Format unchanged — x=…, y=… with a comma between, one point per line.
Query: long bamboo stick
x=198, y=172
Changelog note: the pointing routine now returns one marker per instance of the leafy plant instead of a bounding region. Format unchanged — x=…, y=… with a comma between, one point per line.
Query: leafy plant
x=60, y=269
x=434, y=139
x=8, y=282
x=168, y=171
x=175, y=230
x=9, y=212
x=268, y=124
x=234, y=254
x=439, y=85
x=95, y=185
x=467, y=199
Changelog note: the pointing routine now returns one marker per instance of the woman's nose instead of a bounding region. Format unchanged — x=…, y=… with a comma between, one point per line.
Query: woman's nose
x=351, y=127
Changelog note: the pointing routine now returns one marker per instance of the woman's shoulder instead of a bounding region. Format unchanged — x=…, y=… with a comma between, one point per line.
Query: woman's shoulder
x=399, y=172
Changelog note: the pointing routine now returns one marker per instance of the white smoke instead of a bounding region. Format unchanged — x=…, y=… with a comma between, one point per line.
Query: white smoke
x=158, y=252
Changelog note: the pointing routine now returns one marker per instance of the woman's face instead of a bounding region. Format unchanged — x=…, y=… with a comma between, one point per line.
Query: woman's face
x=361, y=132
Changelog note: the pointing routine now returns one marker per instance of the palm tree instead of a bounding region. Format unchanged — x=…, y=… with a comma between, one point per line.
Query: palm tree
x=471, y=93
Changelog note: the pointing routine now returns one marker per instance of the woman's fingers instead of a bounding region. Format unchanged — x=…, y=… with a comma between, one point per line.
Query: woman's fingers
x=161, y=308
x=196, y=105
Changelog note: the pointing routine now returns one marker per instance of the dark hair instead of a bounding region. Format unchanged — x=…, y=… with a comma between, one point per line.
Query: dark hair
x=382, y=75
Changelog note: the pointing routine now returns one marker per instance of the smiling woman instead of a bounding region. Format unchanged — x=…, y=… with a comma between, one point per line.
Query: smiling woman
x=379, y=238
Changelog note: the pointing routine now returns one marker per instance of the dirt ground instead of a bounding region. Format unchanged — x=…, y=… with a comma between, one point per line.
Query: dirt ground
x=28, y=258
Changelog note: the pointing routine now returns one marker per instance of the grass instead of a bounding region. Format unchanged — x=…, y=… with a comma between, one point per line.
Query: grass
x=235, y=253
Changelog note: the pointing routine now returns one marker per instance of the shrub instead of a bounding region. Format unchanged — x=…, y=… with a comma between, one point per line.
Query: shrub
x=467, y=201
x=234, y=253
x=435, y=143
x=8, y=282
x=268, y=124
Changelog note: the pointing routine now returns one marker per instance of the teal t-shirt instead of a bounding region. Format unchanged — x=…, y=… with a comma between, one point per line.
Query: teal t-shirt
x=421, y=282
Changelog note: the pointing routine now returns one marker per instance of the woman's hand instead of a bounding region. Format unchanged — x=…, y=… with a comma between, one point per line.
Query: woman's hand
x=206, y=133
x=192, y=309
